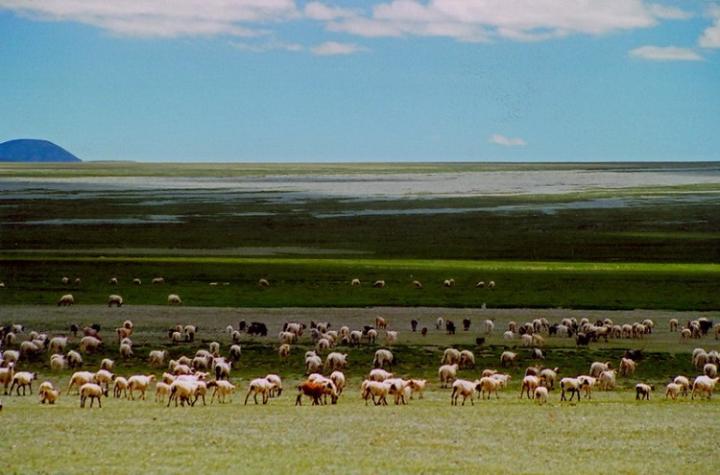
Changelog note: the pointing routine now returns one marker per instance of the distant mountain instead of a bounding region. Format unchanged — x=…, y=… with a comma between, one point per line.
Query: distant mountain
x=30, y=150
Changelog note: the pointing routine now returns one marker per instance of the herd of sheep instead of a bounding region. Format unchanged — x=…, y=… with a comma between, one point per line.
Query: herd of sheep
x=187, y=379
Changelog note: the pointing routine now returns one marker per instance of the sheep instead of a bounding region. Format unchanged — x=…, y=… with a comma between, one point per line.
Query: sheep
x=29, y=349
x=606, y=380
x=120, y=387
x=158, y=280
x=355, y=282
x=573, y=386
x=140, y=383
x=674, y=324
x=234, y=353
x=373, y=389
x=508, y=335
x=58, y=362
x=221, y=389
x=11, y=356
x=710, y=370
x=336, y=361
x=126, y=351
x=467, y=359
x=48, y=394
x=685, y=334
x=57, y=344
x=450, y=327
x=183, y=391
x=391, y=337
x=6, y=376
x=162, y=389
x=450, y=356
x=684, y=383
x=284, y=351
x=66, y=300
x=313, y=364
x=74, y=359
x=526, y=340
x=642, y=391
x=529, y=383
x=174, y=299
x=323, y=344
x=276, y=387
x=379, y=284
x=115, y=300
x=22, y=379
x=464, y=388
x=259, y=386
x=92, y=391
x=382, y=357
x=702, y=384
x=627, y=367
x=90, y=344
x=508, y=358
x=371, y=336
x=548, y=377
x=541, y=395
x=449, y=283
x=380, y=323
x=488, y=326
x=491, y=284
x=447, y=374
x=221, y=368
x=417, y=284
x=379, y=374
x=157, y=358
x=673, y=390
x=103, y=377
x=263, y=283
x=137, y=281
x=214, y=348
x=439, y=323
x=338, y=378
x=189, y=332
x=597, y=367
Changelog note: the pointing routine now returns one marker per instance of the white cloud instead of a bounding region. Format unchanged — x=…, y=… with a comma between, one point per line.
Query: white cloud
x=665, y=53
x=320, y=11
x=152, y=18
x=520, y=20
x=266, y=46
x=332, y=48
x=711, y=36
x=499, y=139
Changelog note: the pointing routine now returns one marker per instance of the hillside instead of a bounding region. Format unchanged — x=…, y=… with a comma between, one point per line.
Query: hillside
x=31, y=150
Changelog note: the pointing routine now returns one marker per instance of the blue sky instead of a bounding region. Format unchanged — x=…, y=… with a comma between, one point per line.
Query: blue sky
x=400, y=80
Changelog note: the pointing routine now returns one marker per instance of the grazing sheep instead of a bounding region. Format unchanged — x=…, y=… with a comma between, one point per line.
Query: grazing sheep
x=6, y=376
x=685, y=334
x=92, y=391
x=674, y=324
x=417, y=284
x=673, y=390
x=139, y=383
x=338, y=378
x=480, y=284
x=22, y=379
x=103, y=377
x=90, y=344
x=66, y=300
x=313, y=364
x=65, y=280
x=548, y=377
x=323, y=344
x=221, y=389
x=263, y=283
x=189, y=331
x=379, y=374
x=447, y=374
x=74, y=359
x=467, y=359
x=598, y=367
x=126, y=351
x=284, y=351
x=115, y=300
x=541, y=395
x=380, y=323
x=158, y=280
x=417, y=386
x=336, y=361
x=391, y=337
x=162, y=389
x=382, y=357
x=642, y=391
x=488, y=326
x=573, y=386
x=529, y=383
x=48, y=394
x=174, y=299
x=58, y=362
x=120, y=387
x=450, y=356
x=439, y=323
x=373, y=389
x=107, y=364
x=684, y=383
x=113, y=281
x=259, y=386
x=157, y=358
x=508, y=358
x=702, y=385
x=316, y=389
x=449, y=283
x=221, y=368
x=606, y=380
x=710, y=370
x=371, y=335
x=137, y=281
x=214, y=348
x=491, y=284
x=489, y=385
x=627, y=367
x=355, y=282
x=464, y=388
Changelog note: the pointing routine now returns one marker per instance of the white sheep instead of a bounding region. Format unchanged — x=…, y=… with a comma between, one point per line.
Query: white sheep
x=140, y=383
x=684, y=383
x=489, y=385
x=391, y=337
x=488, y=326
x=137, y=281
x=115, y=300
x=126, y=351
x=417, y=386
x=162, y=389
x=22, y=379
x=704, y=385
x=221, y=389
x=673, y=390
x=92, y=391
x=571, y=385
x=710, y=370
x=66, y=300
x=57, y=344
x=627, y=367
x=606, y=380
x=284, y=351
x=58, y=362
x=379, y=284
x=464, y=388
x=336, y=361
x=74, y=359
x=467, y=359
x=642, y=391
x=103, y=377
x=183, y=391
x=48, y=394
x=120, y=387
x=158, y=280
x=157, y=358
x=338, y=378
x=508, y=358
x=174, y=299
x=382, y=357
x=450, y=356
x=313, y=364
x=259, y=386
x=598, y=367
x=379, y=374
x=375, y=389
x=79, y=378
x=447, y=374
x=529, y=383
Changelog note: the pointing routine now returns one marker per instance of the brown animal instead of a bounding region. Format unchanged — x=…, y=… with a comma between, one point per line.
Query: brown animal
x=316, y=391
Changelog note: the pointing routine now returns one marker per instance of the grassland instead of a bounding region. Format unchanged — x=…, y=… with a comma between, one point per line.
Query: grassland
x=508, y=435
